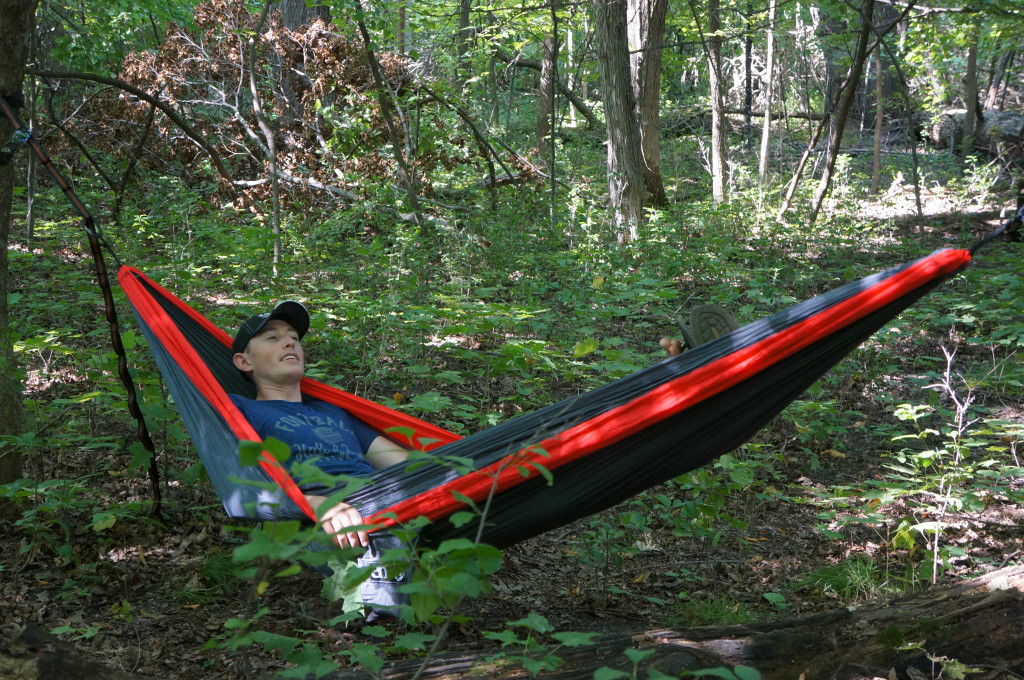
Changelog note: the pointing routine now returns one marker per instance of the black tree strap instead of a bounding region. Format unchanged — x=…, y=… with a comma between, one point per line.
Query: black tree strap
x=1011, y=227
x=96, y=244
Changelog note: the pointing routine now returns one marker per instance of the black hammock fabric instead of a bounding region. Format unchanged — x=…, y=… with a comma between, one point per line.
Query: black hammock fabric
x=600, y=447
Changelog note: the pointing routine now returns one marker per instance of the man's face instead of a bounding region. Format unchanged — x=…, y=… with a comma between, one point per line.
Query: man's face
x=274, y=356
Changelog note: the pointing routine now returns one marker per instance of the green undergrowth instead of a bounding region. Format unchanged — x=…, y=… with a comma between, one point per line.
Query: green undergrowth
x=492, y=315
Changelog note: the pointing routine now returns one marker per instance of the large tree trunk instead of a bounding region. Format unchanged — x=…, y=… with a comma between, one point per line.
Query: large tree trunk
x=839, y=121
x=769, y=76
x=625, y=165
x=719, y=142
x=976, y=622
x=646, y=31
x=17, y=23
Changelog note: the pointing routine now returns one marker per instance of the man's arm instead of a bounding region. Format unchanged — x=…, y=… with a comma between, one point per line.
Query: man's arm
x=383, y=453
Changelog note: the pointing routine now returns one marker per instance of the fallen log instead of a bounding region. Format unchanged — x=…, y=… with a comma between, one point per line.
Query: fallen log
x=37, y=655
x=975, y=623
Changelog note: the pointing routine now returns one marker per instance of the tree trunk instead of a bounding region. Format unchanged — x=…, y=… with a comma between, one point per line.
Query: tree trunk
x=719, y=142
x=297, y=13
x=625, y=164
x=546, y=99
x=17, y=24
x=401, y=27
x=839, y=120
x=646, y=31
x=462, y=43
x=975, y=622
x=748, y=77
x=876, y=160
x=769, y=77
x=997, y=80
x=970, y=98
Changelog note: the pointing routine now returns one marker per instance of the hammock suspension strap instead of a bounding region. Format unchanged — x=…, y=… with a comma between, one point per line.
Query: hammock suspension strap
x=97, y=242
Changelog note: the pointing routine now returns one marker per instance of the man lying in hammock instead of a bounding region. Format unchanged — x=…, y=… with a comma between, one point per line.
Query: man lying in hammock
x=268, y=351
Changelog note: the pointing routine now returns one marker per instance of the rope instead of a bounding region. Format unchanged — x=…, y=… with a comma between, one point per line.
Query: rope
x=1011, y=227
x=97, y=241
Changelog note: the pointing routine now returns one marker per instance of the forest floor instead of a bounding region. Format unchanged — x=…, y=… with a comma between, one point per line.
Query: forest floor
x=146, y=596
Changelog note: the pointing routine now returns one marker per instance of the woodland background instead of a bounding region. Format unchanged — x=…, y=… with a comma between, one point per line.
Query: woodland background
x=488, y=207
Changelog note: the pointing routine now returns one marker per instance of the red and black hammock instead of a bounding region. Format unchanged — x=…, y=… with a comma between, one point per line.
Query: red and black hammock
x=601, y=447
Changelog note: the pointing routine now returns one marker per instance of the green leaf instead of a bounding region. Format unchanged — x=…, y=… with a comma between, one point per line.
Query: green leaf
x=102, y=521
x=278, y=449
x=571, y=639
x=140, y=455
x=637, y=655
x=746, y=673
x=463, y=498
x=584, y=347
x=605, y=673
x=534, y=622
x=505, y=637
x=462, y=518
x=411, y=642
x=249, y=452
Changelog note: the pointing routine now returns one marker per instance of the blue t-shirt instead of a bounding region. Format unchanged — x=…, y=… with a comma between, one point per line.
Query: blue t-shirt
x=316, y=431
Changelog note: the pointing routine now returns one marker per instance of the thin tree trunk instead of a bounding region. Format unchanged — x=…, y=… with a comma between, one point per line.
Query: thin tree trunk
x=769, y=73
x=836, y=138
x=646, y=30
x=748, y=77
x=30, y=180
x=1006, y=82
x=876, y=164
x=268, y=134
x=401, y=28
x=997, y=80
x=462, y=42
x=719, y=142
x=545, y=99
x=17, y=24
x=553, y=38
x=625, y=164
x=389, y=114
x=970, y=98
x=570, y=58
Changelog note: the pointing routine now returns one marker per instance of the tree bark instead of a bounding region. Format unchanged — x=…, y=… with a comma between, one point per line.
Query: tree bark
x=17, y=24
x=876, y=159
x=646, y=31
x=719, y=141
x=769, y=75
x=997, y=80
x=975, y=622
x=625, y=164
x=462, y=43
x=297, y=13
x=839, y=121
x=970, y=98
x=546, y=99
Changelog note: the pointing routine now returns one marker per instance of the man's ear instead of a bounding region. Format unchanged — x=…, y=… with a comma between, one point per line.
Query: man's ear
x=241, y=362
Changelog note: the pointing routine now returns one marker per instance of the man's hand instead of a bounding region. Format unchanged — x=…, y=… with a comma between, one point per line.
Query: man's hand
x=338, y=518
x=671, y=346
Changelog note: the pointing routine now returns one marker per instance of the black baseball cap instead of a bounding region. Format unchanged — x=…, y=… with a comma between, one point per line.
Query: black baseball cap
x=293, y=312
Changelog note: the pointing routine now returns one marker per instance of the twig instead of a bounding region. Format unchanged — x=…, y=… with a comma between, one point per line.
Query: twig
x=144, y=96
